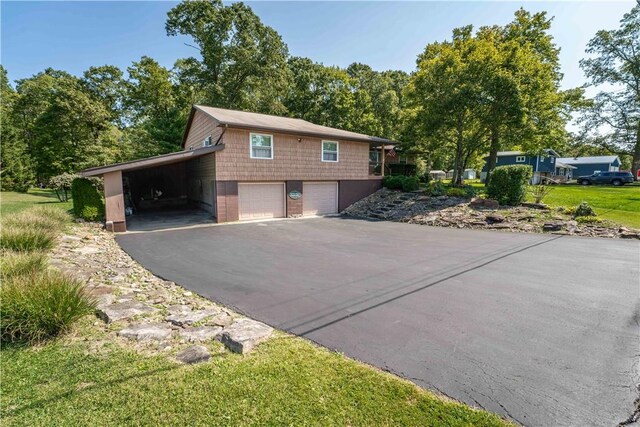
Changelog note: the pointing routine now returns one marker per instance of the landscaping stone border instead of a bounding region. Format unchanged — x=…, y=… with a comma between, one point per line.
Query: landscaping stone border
x=443, y=211
x=146, y=312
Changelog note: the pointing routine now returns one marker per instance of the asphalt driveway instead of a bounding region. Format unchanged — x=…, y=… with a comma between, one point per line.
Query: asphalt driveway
x=540, y=328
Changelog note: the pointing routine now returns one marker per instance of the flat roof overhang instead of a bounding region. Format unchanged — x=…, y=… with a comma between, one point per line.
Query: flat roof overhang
x=148, y=162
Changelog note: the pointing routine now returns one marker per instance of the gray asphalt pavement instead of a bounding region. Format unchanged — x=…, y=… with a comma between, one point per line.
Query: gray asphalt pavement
x=543, y=329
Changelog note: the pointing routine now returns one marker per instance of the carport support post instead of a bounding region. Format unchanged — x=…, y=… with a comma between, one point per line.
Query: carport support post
x=382, y=154
x=114, y=202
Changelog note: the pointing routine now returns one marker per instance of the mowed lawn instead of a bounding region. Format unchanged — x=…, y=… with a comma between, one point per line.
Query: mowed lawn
x=618, y=204
x=12, y=202
x=87, y=378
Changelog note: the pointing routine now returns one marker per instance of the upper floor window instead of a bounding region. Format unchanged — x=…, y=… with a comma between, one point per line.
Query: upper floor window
x=329, y=151
x=520, y=159
x=541, y=159
x=207, y=142
x=261, y=146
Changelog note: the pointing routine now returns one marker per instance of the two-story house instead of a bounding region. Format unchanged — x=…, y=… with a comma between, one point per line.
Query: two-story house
x=544, y=165
x=241, y=166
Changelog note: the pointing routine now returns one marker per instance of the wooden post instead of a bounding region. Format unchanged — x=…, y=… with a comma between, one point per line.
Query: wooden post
x=382, y=154
x=114, y=201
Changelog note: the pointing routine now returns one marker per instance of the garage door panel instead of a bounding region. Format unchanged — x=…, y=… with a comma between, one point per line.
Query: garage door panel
x=320, y=198
x=257, y=200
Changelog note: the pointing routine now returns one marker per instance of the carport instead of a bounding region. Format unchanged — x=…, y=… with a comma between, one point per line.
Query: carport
x=161, y=191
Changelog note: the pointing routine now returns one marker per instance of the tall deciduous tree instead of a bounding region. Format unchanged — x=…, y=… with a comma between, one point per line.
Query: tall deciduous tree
x=615, y=64
x=244, y=62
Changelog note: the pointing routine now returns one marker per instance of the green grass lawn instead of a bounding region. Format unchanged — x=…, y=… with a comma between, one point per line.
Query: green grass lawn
x=618, y=204
x=12, y=202
x=286, y=381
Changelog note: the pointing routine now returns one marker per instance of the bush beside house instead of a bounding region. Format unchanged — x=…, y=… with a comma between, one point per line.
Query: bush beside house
x=508, y=184
x=87, y=201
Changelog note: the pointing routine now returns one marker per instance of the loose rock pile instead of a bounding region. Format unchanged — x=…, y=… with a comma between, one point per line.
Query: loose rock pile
x=145, y=311
x=444, y=211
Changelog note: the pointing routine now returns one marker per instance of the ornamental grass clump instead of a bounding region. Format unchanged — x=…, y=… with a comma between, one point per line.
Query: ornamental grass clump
x=22, y=238
x=14, y=264
x=41, y=305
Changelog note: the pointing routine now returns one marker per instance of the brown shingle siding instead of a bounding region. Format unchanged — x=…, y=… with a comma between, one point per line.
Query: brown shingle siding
x=202, y=126
x=292, y=159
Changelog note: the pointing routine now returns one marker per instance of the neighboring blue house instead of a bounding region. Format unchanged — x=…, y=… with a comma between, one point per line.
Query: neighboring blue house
x=590, y=165
x=544, y=165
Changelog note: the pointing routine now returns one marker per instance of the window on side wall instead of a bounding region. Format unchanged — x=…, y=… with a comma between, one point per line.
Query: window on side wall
x=402, y=160
x=374, y=156
x=329, y=151
x=520, y=159
x=261, y=146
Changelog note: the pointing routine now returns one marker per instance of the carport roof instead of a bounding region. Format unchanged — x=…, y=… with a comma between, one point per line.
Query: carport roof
x=266, y=122
x=148, y=162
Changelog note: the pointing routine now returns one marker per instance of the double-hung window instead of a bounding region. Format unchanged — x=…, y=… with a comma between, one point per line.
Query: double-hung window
x=261, y=146
x=329, y=151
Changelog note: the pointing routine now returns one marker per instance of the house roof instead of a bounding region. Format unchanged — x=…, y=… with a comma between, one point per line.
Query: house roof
x=564, y=165
x=147, y=162
x=266, y=122
x=519, y=153
x=588, y=160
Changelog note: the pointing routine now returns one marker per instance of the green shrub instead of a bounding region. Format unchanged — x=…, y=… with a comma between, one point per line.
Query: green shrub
x=437, y=188
x=39, y=306
x=470, y=191
x=410, y=183
x=19, y=263
x=87, y=201
x=570, y=211
x=401, y=182
x=425, y=178
x=456, y=192
x=584, y=209
x=508, y=184
x=23, y=238
x=589, y=219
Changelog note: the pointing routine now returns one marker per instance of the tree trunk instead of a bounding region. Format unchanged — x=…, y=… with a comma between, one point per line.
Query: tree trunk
x=493, y=153
x=456, y=179
x=635, y=161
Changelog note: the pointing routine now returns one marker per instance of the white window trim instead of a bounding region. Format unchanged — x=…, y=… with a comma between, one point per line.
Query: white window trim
x=207, y=142
x=337, y=151
x=251, y=146
x=521, y=159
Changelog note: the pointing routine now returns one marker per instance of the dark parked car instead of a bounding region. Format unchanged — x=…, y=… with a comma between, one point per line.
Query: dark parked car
x=613, y=178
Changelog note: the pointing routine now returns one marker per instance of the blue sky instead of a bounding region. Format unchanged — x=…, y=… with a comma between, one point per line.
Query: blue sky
x=386, y=35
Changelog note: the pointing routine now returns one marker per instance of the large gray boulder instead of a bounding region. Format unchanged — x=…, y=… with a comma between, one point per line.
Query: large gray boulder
x=183, y=317
x=201, y=333
x=194, y=354
x=123, y=310
x=244, y=334
x=147, y=332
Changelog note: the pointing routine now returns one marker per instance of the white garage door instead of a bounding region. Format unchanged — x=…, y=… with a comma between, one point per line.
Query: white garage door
x=319, y=198
x=263, y=200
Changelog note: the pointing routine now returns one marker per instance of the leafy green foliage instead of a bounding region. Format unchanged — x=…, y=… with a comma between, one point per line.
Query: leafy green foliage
x=612, y=120
x=38, y=306
x=87, y=201
x=456, y=192
x=401, y=182
x=437, y=188
x=584, y=209
x=509, y=184
x=589, y=219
